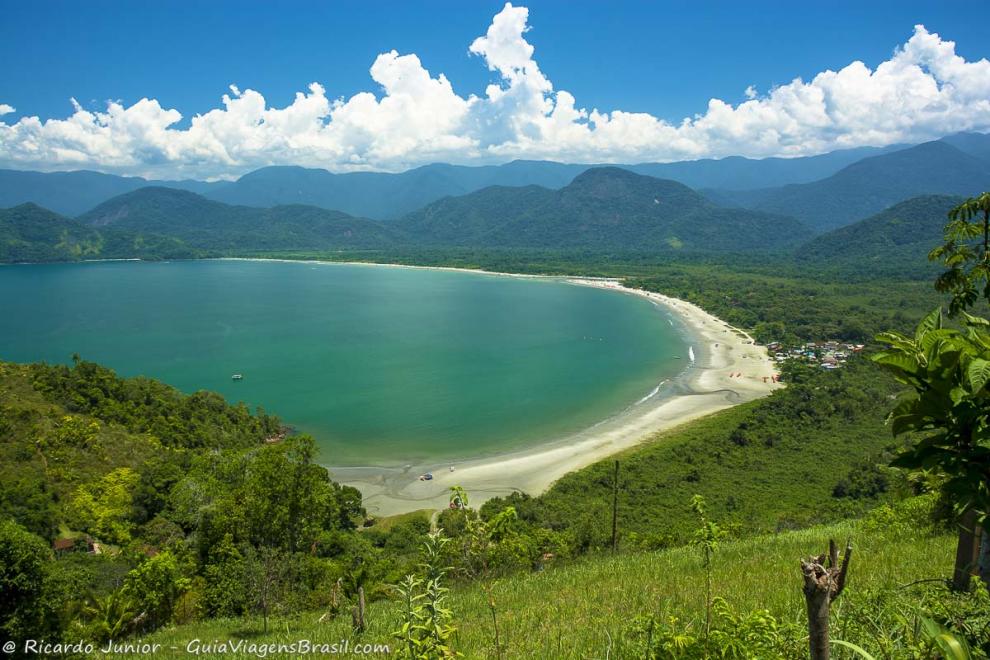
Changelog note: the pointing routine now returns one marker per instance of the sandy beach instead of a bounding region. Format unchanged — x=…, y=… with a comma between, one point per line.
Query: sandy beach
x=728, y=369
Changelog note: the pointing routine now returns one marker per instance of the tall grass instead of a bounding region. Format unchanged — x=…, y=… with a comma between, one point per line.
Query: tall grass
x=584, y=609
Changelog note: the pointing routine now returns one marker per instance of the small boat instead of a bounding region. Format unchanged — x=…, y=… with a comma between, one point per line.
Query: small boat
x=237, y=377
x=426, y=477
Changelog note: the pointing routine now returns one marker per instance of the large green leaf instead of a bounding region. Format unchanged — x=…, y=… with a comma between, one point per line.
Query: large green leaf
x=898, y=360
x=978, y=374
x=931, y=322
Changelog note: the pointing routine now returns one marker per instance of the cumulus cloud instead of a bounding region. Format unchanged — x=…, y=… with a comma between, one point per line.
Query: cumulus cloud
x=924, y=90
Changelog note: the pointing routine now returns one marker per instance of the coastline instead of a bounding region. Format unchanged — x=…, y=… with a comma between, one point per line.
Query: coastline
x=726, y=369
x=706, y=386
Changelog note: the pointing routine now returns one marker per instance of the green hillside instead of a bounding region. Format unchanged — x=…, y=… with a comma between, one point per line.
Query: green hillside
x=607, y=606
x=602, y=208
x=205, y=224
x=894, y=242
x=31, y=233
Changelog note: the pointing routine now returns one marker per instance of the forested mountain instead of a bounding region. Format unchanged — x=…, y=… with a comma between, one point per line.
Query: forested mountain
x=72, y=193
x=211, y=225
x=605, y=207
x=382, y=195
x=31, y=233
x=872, y=184
x=895, y=241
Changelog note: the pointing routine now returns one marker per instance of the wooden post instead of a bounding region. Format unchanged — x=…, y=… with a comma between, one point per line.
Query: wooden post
x=823, y=584
x=967, y=552
x=615, y=508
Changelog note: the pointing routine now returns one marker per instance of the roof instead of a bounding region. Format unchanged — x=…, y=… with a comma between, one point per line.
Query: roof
x=63, y=544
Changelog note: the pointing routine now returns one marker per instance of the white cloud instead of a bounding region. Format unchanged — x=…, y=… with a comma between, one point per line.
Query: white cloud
x=924, y=90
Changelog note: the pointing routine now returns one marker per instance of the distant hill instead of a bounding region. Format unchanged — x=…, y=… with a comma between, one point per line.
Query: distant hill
x=974, y=144
x=209, y=225
x=29, y=233
x=872, y=184
x=384, y=196
x=763, y=184
x=738, y=173
x=895, y=241
x=607, y=208
x=72, y=193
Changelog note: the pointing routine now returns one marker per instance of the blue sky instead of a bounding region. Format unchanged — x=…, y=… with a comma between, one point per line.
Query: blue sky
x=666, y=59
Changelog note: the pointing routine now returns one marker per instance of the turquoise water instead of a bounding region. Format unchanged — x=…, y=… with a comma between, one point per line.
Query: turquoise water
x=382, y=365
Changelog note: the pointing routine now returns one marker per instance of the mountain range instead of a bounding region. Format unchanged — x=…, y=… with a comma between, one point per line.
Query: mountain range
x=568, y=207
x=958, y=167
x=384, y=196
x=605, y=208
x=602, y=208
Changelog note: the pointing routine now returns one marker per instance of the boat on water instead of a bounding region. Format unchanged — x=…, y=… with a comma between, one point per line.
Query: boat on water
x=237, y=377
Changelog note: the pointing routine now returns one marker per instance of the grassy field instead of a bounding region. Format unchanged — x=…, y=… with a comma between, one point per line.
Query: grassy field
x=585, y=609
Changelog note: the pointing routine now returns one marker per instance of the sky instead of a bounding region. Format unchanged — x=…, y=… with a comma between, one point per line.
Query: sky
x=215, y=89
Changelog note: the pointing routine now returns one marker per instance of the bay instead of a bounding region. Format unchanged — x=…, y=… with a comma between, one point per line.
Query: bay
x=382, y=365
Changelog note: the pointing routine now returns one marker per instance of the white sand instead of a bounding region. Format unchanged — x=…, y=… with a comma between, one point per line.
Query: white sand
x=709, y=384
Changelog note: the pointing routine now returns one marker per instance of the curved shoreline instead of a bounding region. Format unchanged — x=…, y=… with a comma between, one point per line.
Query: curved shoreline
x=706, y=386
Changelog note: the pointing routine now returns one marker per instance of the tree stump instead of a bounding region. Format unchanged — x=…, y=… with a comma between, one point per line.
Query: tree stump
x=823, y=584
x=967, y=552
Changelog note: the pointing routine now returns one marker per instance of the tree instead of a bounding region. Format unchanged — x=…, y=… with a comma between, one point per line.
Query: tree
x=289, y=499
x=949, y=373
x=106, y=508
x=27, y=606
x=966, y=253
x=265, y=579
x=155, y=587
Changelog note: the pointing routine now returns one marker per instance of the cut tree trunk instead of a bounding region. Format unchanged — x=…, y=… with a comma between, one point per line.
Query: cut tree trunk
x=823, y=584
x=357, y=613
x=967, y=552
x=984, y=562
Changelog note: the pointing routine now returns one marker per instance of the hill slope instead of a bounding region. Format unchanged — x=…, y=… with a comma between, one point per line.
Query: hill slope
x=207, y=224
x=31, y=233
x=872, y=184
x=608, y=208
x=894, y=242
